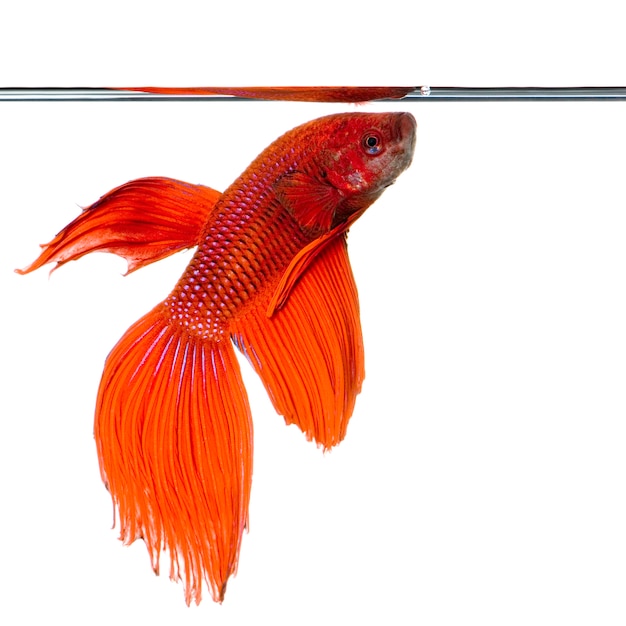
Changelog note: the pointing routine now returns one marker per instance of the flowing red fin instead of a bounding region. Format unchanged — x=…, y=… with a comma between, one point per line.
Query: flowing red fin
x=174, y=438
x=311, y=202
x=142, y=221
x=309, y=354
x=302, y=260
x=299, y=94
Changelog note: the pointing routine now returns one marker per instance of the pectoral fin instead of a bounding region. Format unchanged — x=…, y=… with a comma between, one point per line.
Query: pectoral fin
x=311, y=202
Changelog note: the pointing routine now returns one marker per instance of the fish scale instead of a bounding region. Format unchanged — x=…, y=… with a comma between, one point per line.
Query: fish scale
x=266, y=236
x=232, y=274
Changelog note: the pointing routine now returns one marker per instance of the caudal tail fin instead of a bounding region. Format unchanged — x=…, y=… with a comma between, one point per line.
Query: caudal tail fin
x=174, y=438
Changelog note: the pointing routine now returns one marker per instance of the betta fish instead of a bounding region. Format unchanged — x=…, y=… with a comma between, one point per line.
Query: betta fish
x=270, y=275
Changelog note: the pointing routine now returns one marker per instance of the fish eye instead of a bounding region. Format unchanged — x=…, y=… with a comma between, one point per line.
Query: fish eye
x=372, y=143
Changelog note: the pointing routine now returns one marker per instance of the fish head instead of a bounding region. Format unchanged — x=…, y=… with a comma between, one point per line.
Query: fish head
x=365, y=154
x=349, y=160
x=367, y=151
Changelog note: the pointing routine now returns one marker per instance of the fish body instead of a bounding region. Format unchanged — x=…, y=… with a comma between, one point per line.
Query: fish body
x=270, y=274
x=300, y=189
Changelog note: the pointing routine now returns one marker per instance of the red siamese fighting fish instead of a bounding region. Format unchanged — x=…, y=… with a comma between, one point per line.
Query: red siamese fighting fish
x=270, y=275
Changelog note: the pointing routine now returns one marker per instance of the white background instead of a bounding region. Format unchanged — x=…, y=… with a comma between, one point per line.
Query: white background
x=483, y=477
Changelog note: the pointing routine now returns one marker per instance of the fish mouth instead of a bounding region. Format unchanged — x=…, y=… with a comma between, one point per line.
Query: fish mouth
x=405, y=131
x=405, y=126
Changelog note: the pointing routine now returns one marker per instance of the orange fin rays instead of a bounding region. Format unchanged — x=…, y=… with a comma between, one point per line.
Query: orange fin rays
x=174, y=438
x=303, y=259
x=142, y=221
x=301, y=94
x=309, y=354
x=311, y=202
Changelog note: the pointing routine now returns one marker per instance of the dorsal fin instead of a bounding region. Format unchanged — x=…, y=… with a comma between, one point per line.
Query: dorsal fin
x=142, y=221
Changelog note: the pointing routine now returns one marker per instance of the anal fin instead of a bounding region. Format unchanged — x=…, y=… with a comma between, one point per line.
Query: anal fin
x=309, y=353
